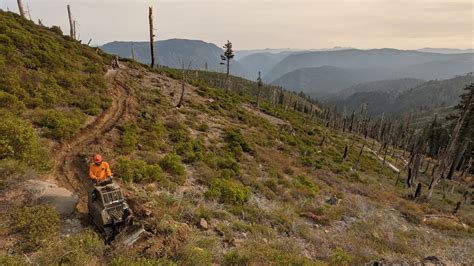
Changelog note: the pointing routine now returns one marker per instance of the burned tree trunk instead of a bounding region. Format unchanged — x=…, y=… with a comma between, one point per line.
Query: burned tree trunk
x=358, y=157
x=71, y=22
x=345, y=153
x=21, y=9
x=418, y=191
x=152, y=36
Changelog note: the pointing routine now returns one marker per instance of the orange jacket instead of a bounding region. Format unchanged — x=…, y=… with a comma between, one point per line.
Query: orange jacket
x=99, y=172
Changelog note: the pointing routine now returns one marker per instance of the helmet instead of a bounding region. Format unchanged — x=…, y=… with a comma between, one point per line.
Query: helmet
x=97, y=158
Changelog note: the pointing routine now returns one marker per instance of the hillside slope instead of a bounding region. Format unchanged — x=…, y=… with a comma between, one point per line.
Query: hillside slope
x=219, y=180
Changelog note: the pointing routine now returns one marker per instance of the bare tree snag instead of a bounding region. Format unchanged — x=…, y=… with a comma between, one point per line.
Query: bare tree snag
x=345, y=153
x=358, y=157
x=21, y=9
x=152, y=36
x=133, y=51
x=458, y=206
x=418, y=191
x=71, y=22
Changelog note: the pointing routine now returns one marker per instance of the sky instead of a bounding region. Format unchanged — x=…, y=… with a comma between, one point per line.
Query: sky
x=257, y=24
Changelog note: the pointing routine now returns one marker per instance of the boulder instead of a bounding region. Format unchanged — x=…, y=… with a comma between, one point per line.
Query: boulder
x=61, y=199
x=203, y=224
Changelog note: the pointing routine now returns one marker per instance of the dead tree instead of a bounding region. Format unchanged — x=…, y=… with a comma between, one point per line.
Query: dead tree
x=259, y=85
x=21, y=9
x=72, y=32
x=183, y=83
x=417, y=192
x=449, y=153
x=133, y=51
x=152, y=36
x=358, y=157
x=346, y=149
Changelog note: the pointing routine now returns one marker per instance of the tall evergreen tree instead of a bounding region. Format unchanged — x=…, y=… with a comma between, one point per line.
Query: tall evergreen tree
x=226, y=57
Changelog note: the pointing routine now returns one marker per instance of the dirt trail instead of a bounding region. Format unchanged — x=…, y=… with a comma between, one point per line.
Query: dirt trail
x=70, y=171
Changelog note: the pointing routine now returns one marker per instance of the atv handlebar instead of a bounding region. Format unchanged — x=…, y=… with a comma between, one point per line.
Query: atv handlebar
x=107, y=181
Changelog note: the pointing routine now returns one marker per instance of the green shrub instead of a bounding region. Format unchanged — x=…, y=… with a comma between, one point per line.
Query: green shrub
x=191, y=151
x=229, y=166
x=81, y=249
x=307, y=183
x=125, y=261
x=228, y=192
x=339, y=257
x=59, y=124
x=176, y=131
x=129, y=139
x=13, y=260
x=236, y=143
x=11, y=102
x=172, y=164
x=137, y=170
x=18, y=141
x=233, y=258
x=37, y=224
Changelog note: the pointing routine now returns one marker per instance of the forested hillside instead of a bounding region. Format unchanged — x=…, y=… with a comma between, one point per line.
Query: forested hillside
x=427, y=96
x=219, y=171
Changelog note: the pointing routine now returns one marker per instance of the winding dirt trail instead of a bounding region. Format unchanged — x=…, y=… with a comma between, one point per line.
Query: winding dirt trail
x=70, y=171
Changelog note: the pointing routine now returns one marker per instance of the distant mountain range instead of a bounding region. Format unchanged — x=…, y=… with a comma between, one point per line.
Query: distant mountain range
x=379, y=75
x=412, y=64
x=174, y=52
x=396, y=98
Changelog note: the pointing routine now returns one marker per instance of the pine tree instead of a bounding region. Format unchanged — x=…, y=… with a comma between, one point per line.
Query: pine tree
x=226, y=57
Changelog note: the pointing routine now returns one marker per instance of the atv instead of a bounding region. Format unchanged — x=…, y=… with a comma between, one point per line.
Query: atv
x=111, y=214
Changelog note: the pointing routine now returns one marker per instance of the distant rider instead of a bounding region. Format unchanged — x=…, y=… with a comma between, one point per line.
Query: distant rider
x=99, y=171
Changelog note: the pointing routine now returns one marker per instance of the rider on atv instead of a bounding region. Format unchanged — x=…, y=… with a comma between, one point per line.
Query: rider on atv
x=99, y=171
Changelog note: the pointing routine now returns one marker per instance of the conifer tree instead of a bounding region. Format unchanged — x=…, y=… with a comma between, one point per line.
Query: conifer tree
x=226, y=57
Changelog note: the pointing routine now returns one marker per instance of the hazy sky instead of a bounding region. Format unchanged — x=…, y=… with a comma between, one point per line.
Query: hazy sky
x=405, y=24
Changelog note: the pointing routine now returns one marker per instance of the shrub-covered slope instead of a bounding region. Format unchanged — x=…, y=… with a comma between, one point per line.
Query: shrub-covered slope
x=219, y=180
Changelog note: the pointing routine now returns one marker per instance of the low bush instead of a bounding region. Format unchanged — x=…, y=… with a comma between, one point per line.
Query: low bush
x=13, y=260
x=171, y=163
x=236, y=143
x=37, y=224
x=228, y=192
x=137, y=170
x=18, y=141
x=59, y=125
x=84, y=248
x=339, y=257
x=191, y=151
x=234, y=258
x=126, y=261
x=129, y=139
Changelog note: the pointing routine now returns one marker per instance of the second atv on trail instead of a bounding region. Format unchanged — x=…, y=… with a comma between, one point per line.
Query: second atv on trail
x=110, y=212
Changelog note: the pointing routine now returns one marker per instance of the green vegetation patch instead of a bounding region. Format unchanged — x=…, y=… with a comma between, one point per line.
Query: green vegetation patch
x=228, y=192
x=37, y=224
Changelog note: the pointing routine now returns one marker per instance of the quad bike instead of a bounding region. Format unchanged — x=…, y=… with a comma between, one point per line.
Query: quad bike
x=110, y=212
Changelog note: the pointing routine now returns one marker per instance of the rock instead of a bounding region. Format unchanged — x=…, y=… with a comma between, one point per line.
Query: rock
x=203, y=224
x=333, y=200
x=432, y=260
x=61, y=199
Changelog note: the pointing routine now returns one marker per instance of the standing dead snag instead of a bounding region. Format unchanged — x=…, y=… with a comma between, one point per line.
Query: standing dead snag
x=358, y=157
x=72, y=30
x=21, y=9
x=152, y=36
x=260, y=85
x=183, y=83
